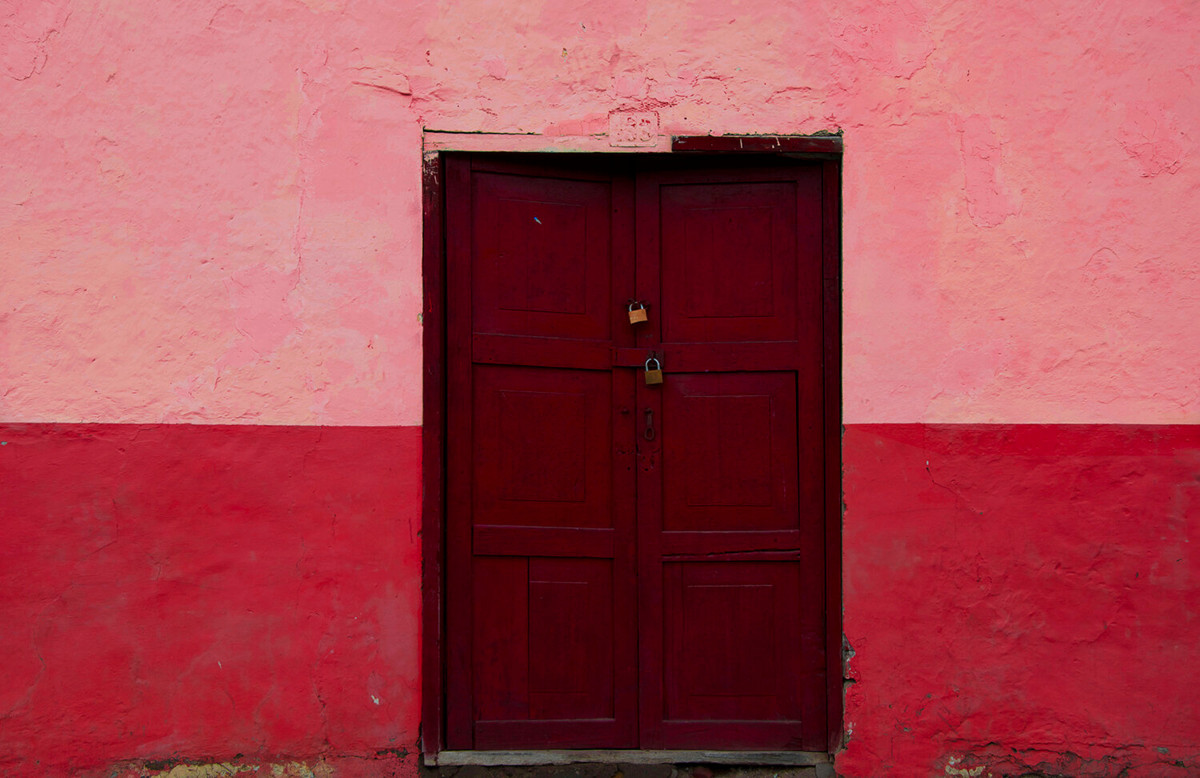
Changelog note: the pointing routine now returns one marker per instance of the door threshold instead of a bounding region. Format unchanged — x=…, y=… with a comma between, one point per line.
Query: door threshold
x=618, y=756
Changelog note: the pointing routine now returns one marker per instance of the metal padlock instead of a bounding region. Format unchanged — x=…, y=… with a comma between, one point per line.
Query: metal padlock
x=653, y=374
x=637, y=313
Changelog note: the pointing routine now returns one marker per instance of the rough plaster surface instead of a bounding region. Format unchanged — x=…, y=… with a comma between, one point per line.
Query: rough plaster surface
x=200, y=592
x=1022, y=600
x=210, y=212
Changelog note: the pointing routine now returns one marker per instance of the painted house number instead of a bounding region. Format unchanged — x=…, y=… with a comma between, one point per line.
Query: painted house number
x=632, y=128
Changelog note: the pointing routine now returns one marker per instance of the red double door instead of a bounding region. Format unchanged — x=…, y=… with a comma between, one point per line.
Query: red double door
x=634, y=565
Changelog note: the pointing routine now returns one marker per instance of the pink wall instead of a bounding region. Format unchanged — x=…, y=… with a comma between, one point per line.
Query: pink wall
x=211, y=211
x=210, y=214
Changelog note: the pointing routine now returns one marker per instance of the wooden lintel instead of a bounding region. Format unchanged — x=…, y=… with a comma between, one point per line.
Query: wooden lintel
x=763, y=144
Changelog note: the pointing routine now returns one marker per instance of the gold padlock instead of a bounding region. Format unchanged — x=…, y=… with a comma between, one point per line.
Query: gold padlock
x=637, y=313
x=653, y=374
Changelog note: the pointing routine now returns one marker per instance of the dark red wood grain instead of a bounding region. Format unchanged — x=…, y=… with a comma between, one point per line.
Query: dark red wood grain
x=732, y=650
x=605, y=589
x=433, y=386
x=541, y=652
x=831, y=362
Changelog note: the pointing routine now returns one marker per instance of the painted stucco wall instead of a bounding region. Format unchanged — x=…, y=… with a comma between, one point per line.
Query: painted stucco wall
x=210, y=215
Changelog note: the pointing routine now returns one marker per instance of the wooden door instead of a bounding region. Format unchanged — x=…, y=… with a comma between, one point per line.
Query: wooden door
x=633, y=565
x=730, y=491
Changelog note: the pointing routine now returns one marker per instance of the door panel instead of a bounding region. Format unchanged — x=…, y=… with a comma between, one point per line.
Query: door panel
x=542, y=447
x=545, y=635
x=728, y=261
x=730, y=669
x=541, y=256
x=742, y=614
x=729, y=452
x=633, y=565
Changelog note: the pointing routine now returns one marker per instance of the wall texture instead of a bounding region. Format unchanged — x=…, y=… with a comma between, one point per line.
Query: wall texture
x=201, y=591
x=1021, y=598
x=210, y=236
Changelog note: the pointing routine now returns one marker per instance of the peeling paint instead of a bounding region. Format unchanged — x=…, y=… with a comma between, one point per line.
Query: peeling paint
x=964, y=772
x=988, y=200
x=382, y=765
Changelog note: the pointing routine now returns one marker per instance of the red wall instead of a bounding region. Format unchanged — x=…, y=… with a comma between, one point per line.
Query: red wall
x=1025, y=598
x=1017, y=598
x=204, y=591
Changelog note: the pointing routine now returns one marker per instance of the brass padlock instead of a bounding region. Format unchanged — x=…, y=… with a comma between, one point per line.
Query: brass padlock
x=653, y=374
x=637, y=313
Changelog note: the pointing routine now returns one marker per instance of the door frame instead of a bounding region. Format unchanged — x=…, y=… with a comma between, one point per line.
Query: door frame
x=827, y=149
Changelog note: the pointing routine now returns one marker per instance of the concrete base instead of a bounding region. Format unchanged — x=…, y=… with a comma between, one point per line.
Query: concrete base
x=512, y=758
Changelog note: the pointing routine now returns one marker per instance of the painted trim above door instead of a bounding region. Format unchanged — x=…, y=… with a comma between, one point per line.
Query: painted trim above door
x=826, y=145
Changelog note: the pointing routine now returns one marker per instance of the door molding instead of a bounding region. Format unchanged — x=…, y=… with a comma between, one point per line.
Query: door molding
x=750, y=150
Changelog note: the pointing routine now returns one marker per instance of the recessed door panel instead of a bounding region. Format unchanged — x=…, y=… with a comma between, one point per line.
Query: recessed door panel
x=542, y=453
x=544, y=641
x=731, y=632
x=729, y=452
x=729, y=260
x=541, y=256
